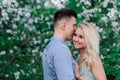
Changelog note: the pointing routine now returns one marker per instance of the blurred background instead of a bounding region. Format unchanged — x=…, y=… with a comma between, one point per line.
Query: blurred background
x=26, y=27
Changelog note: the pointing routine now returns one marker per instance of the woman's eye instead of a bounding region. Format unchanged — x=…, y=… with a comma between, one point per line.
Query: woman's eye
x=81, y=36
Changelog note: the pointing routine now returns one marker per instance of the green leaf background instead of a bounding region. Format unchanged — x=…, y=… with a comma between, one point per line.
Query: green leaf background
x=26, y=27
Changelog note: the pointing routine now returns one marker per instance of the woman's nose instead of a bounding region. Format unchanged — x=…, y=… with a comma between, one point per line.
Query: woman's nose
x=75, y=38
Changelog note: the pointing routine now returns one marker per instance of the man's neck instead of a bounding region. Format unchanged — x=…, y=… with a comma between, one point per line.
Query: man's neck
x=60, y=36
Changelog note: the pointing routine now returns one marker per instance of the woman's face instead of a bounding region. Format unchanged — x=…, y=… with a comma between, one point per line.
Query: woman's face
x=78, y=39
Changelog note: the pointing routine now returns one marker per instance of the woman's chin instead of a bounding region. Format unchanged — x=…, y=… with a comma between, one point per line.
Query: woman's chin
x=77, y=47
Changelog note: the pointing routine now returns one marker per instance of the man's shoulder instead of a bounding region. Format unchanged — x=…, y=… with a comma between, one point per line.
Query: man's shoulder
x=56, y=44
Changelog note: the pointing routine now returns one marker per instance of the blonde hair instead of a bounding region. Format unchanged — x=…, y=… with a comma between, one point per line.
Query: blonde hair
x=91, y=37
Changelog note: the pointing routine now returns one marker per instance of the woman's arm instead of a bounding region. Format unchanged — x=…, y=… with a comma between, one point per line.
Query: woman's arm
x=98, y=70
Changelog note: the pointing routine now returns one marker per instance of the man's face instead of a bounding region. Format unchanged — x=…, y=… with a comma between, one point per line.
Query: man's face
x=70, y=28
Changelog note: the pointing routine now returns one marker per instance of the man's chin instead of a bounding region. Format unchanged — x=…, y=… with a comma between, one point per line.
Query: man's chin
x=69, y=38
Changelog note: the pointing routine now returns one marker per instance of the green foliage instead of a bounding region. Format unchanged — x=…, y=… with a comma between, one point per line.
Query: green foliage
x=26, y=28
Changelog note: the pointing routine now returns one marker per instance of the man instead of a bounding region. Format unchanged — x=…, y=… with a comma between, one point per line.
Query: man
x=57, y=59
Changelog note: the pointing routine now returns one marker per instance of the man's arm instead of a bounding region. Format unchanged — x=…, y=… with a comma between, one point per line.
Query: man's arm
x=64, y=64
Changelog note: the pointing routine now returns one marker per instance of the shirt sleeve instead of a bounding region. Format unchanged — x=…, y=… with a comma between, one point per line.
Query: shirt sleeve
x=64, y=64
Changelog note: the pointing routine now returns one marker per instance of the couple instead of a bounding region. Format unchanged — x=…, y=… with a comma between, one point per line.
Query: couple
x=58, y=63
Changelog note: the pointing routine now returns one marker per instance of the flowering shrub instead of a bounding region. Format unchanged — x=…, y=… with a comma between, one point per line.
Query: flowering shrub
x=24, y=31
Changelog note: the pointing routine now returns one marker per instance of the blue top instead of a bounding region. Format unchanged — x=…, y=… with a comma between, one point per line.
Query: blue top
x=58, y=61
x=86, y=73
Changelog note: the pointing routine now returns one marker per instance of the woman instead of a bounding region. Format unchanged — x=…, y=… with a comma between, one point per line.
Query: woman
x=89, y=65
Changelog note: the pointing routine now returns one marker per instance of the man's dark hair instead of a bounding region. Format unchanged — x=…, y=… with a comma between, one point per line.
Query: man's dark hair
x=64, y=13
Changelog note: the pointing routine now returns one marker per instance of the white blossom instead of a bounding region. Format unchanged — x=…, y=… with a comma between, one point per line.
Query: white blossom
x=20, y=12
x=22, y=71
x=83, y=1
x=27, y=14
x=76, y=0
x=26, y=25
x=17, y=18
x=8, y=31
x=32, y=61
x=17, y=65
x=104, y=37
x=7, y=2
x=14, y=26
x=7, y=75
x=105, y=3
x=112, y=12
x=9, y=38
x=21, y=38
x=34, y=70
x=41, y=53
x=15, y=47
x=114, y=44
x=30, y=21
x=115, y=24
x=68, y=43
x=27, y=74
x=46, y=18
x=108, y=49
x=101, y=56
x=38, y=6
x=47, y=4
x=17, y=75
x=11, y=50
x=33, y=51
x=58, y=4
x=0, y=22
x=100, y=29
x=87, y=3
x=2, y=52
x=99, y=10
x=78, y=4
x=46, y=40
x=75, y=52
x=32, y=28
x=49, y=23
x=104, y=19
x=4, y=13
x=38, y=1
x=36, y=20
x=35, y=41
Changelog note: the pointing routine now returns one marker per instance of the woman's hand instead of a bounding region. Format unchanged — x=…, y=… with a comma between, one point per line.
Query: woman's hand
x=82, y=78
x=77, y=70
x=77, y=73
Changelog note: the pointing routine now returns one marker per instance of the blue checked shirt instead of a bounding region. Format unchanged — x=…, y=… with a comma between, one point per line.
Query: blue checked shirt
x=58, y=63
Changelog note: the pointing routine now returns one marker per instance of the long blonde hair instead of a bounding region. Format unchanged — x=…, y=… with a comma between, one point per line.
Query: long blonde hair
x=91, y=37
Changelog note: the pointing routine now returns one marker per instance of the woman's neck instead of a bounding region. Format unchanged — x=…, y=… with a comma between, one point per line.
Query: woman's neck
x=82, y=52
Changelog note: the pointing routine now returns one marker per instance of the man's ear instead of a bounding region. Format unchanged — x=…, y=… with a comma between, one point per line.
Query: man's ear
x=63, y=25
